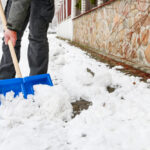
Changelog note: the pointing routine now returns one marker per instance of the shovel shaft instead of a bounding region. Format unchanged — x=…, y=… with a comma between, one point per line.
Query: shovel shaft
x=11, y=48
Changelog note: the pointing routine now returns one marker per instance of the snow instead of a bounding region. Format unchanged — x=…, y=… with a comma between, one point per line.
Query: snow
x=115, y=121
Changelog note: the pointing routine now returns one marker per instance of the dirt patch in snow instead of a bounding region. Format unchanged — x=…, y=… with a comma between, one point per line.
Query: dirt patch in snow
x=79, y=106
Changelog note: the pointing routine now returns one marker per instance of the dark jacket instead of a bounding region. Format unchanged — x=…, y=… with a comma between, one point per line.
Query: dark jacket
x=19, y=10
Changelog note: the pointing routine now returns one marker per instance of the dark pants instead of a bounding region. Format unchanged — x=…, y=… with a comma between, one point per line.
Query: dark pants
x=38, y=48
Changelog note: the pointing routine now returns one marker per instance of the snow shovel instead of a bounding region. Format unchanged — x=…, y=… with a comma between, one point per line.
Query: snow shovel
x=19, y=84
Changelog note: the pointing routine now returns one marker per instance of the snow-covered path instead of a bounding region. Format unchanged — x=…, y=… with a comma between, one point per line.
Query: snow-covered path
x=115, y=121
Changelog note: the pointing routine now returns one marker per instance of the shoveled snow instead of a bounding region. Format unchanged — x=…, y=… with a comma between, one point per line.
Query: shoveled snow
x=115, y=121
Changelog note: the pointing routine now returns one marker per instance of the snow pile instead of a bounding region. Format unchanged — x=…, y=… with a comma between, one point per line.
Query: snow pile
x=54, y=102
x=48, y=103
x=36, y=123
x=111, y=124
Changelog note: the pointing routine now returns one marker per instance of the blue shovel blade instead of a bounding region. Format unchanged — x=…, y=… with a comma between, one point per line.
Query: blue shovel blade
x=15, y=85
x=30, y=81
x=24, y=85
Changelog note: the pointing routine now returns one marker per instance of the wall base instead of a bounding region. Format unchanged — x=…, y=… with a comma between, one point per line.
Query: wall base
x=129, y=67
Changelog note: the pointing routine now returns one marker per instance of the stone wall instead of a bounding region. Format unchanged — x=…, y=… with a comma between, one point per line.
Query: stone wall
x=121, y=28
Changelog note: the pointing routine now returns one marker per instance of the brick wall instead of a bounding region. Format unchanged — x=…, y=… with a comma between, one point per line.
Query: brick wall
x=121, y=28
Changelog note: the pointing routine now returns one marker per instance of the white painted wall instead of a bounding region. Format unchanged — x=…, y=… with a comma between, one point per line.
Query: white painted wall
x=65, y=29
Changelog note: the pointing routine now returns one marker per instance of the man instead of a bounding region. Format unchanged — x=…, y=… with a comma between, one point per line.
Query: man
x=39, y=14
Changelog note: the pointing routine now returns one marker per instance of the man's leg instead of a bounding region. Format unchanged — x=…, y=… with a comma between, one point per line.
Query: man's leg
x=38, y=52
x=7, y=70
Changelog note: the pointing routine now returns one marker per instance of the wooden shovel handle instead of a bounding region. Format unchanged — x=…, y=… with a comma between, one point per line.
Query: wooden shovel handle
x=11, y=48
